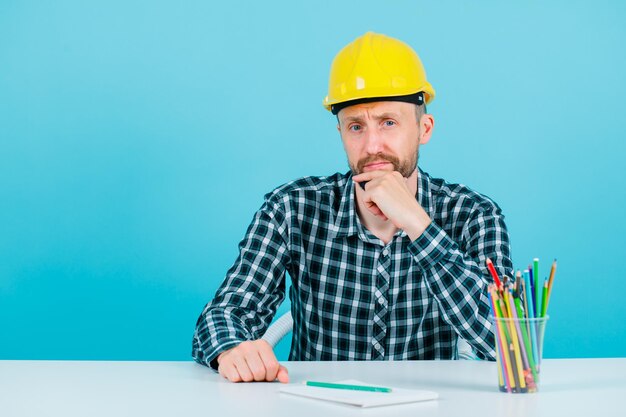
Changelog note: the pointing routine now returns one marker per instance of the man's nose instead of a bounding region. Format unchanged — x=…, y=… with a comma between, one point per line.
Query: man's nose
x=373, y=141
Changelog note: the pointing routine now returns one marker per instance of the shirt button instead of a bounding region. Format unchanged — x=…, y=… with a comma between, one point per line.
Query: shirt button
x=385, y=252
x=381, y=300
x=376, y=346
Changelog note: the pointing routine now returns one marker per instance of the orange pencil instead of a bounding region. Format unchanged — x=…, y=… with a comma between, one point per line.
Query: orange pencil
x=550, y=281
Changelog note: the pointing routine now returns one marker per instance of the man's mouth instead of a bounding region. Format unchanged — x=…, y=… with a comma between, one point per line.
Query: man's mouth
x=373, y=166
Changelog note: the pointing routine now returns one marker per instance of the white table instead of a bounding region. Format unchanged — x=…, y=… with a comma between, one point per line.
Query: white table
x=574, y=387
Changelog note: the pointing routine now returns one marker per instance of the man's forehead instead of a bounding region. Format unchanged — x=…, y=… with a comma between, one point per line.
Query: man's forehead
x=375, y=108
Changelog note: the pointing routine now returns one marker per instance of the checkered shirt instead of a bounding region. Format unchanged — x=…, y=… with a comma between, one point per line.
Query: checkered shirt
x=353, y=297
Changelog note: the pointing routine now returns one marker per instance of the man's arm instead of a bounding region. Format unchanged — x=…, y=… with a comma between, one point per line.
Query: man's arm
x=248, y=298
x=458, y=279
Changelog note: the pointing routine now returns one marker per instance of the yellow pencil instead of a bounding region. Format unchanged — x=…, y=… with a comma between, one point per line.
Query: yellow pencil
x=501, y=327
x=500, y=378
x=500, y=338
x=515, y=343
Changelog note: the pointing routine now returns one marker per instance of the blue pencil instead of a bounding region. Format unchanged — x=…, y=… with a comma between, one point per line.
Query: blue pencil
x=532, y=288
x=531, y=311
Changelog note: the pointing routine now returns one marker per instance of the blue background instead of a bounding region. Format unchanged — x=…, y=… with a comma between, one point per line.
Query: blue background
x=137, y=139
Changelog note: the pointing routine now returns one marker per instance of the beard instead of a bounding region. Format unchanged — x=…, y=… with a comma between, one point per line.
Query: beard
x=404, y=167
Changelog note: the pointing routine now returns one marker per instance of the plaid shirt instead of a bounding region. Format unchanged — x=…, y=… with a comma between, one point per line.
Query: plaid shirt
x=352, y=296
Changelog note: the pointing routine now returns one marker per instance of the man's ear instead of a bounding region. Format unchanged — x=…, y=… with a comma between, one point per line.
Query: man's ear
x=427, y=124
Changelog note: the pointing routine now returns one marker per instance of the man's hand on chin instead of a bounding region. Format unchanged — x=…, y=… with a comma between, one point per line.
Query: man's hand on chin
x=387, y=196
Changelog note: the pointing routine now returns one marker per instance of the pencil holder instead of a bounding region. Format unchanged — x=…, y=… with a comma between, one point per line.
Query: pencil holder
x=519, y=346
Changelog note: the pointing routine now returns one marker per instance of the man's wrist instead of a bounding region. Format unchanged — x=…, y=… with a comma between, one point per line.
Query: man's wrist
x=222, y=349
x=418, y=224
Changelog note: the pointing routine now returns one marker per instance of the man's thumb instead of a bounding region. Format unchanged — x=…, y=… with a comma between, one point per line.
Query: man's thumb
x=283, y=375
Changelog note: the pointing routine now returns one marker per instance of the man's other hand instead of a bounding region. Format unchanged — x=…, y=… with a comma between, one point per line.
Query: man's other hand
x=251, y=361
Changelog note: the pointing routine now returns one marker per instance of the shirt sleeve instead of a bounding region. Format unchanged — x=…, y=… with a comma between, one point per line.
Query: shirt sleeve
x=457, y=275
x=254, y=287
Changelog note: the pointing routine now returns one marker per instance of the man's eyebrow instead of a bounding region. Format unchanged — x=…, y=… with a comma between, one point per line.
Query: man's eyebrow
x=353, y=119
x=360, y=118
x=386, y=115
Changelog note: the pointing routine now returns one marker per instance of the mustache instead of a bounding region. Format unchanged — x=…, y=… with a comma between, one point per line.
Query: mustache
x=379, y=157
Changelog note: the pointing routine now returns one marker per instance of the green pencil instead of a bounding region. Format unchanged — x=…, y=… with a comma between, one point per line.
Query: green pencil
x=526, y=338
x=346, y=386
x=537, y=282
x=544, y=299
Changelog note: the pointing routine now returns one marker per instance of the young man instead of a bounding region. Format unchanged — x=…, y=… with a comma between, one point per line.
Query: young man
x=385, y=261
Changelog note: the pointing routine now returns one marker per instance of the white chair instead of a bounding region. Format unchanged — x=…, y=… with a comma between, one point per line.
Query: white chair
x=284, y=325
x=279, y=329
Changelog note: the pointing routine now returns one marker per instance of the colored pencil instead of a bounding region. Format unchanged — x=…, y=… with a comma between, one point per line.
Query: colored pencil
x=523, y=295
x=500, y=338
x=528, y=350
x=529, y=296
x=532, y=298
x=544, y=299
x=515, y=345
x=550, y=282
x=494, y=274
x=537, y=287
x=504, y=338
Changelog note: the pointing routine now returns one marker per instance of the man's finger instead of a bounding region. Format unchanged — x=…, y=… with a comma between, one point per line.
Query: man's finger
x=256, y=366
x=222, y=371
x=271, y=363
x=368, y=176
x=228, y=371
x=234, y=375
x=283, y=375
x=242, y=368
x=375, y=209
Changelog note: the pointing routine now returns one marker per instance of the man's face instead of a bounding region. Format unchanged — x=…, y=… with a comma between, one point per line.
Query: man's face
x=380, y=136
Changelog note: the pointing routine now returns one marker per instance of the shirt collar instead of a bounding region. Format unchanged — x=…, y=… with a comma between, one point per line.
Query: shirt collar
x=346, y=219
x=424, y=196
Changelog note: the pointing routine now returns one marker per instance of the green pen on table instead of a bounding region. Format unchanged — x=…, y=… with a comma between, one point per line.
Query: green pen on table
x=346, y=386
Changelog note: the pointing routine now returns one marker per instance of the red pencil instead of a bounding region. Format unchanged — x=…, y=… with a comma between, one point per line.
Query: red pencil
x=494, y=274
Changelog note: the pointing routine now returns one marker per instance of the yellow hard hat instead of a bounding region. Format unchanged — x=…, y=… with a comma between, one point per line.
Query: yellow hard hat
x=376, y=66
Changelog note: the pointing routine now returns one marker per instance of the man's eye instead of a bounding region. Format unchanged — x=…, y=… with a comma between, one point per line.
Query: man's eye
x=355, y=128
x=389, y=123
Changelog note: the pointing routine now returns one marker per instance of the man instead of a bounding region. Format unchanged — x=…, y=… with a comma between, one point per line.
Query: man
x=385, y=261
